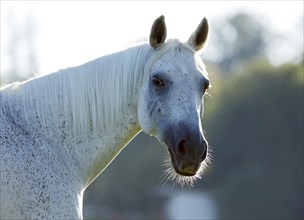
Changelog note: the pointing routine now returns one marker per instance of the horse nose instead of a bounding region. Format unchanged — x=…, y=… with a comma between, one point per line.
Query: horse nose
x=188, y=148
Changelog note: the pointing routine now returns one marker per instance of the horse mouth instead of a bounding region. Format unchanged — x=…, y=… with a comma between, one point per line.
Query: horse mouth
x=184, y=173
x=183, y=167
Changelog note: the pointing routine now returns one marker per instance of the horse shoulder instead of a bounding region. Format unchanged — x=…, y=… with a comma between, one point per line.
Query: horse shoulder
x=35, y=180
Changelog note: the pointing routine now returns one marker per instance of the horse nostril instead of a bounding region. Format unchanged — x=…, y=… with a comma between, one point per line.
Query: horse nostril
x=181, y=148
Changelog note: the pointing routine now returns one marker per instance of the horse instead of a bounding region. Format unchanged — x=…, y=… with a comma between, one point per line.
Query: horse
x=59, y=131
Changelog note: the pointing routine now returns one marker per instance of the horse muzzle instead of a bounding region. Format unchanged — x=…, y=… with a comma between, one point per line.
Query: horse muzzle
x=187, y=148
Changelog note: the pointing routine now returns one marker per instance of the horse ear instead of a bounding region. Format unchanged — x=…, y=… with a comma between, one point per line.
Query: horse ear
x=198, y=39
x=158, y=32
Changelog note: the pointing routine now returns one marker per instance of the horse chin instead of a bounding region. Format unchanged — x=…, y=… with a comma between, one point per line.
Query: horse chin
x=184, y=173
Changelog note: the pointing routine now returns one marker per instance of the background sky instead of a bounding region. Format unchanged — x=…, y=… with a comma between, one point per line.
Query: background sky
x=70, y=33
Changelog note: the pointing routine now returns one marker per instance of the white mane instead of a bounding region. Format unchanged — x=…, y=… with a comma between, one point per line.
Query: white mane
x=83, y=99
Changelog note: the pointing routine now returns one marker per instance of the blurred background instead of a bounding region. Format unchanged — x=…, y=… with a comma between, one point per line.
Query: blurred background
x=254, y=120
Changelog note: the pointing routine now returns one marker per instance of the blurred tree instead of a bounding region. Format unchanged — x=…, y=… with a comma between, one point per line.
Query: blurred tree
x=257, y=131
x=238, y=39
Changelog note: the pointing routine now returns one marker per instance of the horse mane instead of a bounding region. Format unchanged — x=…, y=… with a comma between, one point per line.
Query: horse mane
x=83, y=99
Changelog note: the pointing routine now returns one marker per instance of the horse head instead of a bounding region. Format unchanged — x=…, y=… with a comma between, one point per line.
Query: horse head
x=171, y=100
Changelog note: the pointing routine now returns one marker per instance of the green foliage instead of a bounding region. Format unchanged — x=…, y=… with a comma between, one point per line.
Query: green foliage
x=257, y=134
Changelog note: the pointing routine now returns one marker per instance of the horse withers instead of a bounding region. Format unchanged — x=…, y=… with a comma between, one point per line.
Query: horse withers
x=58, y=132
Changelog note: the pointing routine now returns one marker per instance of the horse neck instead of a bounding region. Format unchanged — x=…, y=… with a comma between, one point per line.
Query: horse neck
x=89, y=110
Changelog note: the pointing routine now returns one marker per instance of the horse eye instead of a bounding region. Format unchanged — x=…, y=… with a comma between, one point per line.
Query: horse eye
x=157, y=82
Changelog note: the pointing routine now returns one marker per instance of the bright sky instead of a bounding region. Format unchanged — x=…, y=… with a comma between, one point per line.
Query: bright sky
x=70, y=33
